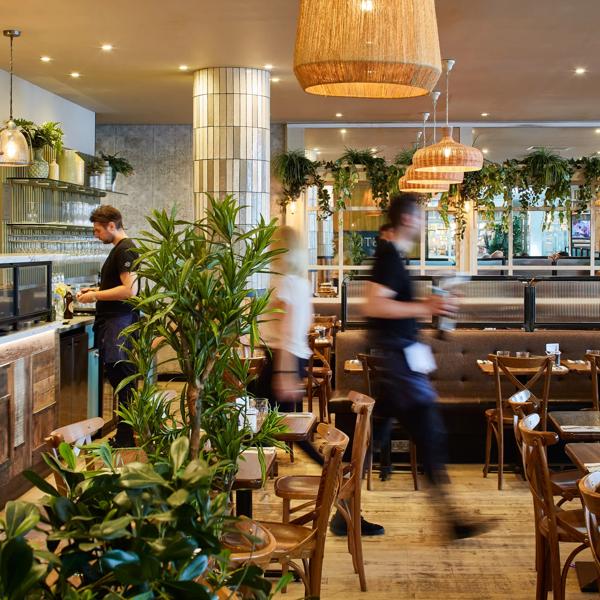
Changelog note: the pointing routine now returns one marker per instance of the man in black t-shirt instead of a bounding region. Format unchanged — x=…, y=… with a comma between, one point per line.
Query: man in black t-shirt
x=113, y=314
x=405, y=392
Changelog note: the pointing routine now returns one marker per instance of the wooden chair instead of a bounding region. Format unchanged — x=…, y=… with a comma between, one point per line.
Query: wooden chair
x=594, y=360
x=502, y=416
x=588, y=489
x=552, y=524
x=373, y=368
x=564, y=483
x=76, y=435
x=318, y=380
x=303, y=539
x=348, y=501
x=250, y=543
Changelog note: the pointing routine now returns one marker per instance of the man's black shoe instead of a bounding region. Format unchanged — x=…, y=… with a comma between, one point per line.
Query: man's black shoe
x=338, y=526
x=385, y=473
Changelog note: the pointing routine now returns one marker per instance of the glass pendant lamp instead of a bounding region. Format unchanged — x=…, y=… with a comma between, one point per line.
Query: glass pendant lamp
x=14, y=149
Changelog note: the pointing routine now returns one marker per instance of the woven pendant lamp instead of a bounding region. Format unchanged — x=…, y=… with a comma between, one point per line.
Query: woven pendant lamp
x=422, y=188
x=367, y=48
x=429, y=177
x=448, y=156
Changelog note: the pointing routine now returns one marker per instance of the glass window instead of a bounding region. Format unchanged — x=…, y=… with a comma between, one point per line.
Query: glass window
x=440, y=239
x=361, y=230
x=540, y=233
x=322, y=240
x=325, y=283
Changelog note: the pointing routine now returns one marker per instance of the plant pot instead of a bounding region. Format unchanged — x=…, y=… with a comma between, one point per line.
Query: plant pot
x=108, y=175
x=39, y=167
x=114, y=182
x=72, y=167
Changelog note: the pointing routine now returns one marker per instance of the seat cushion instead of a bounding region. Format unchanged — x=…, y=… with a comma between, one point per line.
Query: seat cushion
x=297, y=487
x=287, y=537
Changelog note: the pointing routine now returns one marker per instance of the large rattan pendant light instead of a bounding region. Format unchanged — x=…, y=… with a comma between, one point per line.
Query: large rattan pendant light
x=448, y=156
x=367, y=48
x=14, y=149
x=413, y=176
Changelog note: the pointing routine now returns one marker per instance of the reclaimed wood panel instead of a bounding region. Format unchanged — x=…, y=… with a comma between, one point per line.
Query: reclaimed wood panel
x=43, y=423
x=43, y=379
x=6, y=438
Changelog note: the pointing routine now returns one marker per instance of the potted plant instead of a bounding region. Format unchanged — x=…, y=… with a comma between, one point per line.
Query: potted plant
x=96, y=173
x=115, y=164
x=143, y=530
x=297, y=172
x=197, y=299
x=47, y=134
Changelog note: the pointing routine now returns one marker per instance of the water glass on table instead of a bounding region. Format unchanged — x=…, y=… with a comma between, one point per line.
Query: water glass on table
x=522, y=354
x=503, y=353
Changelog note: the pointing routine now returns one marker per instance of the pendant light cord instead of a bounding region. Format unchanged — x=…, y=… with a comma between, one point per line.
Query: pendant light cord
x=435, y=97
x=424, y=130
x=447, y=93
x=11, y=80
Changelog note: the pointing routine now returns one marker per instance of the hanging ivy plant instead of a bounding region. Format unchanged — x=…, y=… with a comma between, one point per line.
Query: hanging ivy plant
x=588, y=169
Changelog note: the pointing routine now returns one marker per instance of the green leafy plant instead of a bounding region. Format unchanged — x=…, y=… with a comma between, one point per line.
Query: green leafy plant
x=49, y=134
x=96, y=165
x=196, y=298
x=118, y=164
x=138, y=531
x=356, y=249
x=297, y=172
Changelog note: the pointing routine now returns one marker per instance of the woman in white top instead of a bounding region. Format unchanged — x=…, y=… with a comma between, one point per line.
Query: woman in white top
x=285, y=332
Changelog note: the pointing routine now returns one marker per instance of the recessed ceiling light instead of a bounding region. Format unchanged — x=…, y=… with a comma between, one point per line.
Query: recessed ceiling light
x=598, y=152
x=369, y=42
x=485, y=150
x=183, y=67
x=315, y=149
x=485, y=114
x=580, y=71
x=106, y=47
x=338, y=115
x=318, y=152
x=342, y=131
x=75, y=75
x=597, y=130
x=268, y=67
x=45, y=58
x=366, y=5
x=275, y=79
x=373, y=149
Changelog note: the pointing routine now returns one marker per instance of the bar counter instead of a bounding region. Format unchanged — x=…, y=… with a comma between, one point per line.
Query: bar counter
x=32, y=398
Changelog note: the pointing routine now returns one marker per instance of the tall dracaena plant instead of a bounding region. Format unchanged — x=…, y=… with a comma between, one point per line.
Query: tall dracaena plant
x=196, y=298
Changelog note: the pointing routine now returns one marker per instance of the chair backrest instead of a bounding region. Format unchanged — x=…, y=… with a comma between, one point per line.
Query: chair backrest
x=327, y=321
x=523, y=373
x=594, y=360
x=373, y=367
x=362, y=406
x=249, y=542
x=329, y=437
x=76, y=434
x=521, y=406
x=317, y=357
x=535, y=461
x=588, y=489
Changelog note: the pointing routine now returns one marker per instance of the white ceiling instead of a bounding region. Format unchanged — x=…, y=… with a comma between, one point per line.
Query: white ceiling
x=515, y=58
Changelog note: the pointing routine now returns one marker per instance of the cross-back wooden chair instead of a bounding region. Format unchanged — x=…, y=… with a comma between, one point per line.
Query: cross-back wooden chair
x=76, y=435
x=523, y=374
x=250, y=543
x=594, y=360
x=564, y=482
x=254, y=364
x=552, y=524
x=348, y=502
x=318, y=380
x=590, y=495
x=374, y=368
x=303, y=539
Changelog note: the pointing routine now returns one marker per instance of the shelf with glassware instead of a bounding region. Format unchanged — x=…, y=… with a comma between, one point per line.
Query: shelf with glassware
x=46, y=217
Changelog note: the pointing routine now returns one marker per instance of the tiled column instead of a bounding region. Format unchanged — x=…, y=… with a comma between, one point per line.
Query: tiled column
x=231, y=139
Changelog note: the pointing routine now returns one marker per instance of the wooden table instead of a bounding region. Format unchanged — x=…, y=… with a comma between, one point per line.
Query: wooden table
x=299, y=427
x=585, y=455
x=578, y=366
x=249, y=477
x=487, y=368
x=576, y=425
x=353, y=366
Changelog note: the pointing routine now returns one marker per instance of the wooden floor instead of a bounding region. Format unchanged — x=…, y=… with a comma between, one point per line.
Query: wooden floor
x=411, y=560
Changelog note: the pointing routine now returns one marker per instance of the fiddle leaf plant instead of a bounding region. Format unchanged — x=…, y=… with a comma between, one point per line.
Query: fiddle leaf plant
x=197, y=299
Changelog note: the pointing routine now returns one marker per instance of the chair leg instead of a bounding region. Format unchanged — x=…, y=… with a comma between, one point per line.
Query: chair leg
x=286, y=510
x=500, y=439
x=291, y=447
x=488, y=449
x=314, y=579
x=309, y=395
x=541, y=590
x=413, y=463
x=370, y=464
x=357, y=536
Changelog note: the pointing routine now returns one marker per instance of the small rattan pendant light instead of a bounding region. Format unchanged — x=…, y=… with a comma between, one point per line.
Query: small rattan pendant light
x=367, y=48
x=448, y=156
x=413, y=176
x=422, y=188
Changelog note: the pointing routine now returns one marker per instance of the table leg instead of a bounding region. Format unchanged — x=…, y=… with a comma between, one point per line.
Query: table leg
x=243, y=503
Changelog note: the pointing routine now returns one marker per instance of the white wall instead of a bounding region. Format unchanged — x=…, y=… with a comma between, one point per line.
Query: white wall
x=38, y=105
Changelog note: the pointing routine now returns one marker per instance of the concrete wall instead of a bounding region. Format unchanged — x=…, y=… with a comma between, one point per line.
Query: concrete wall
x=38, y=105
x=161, y=156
